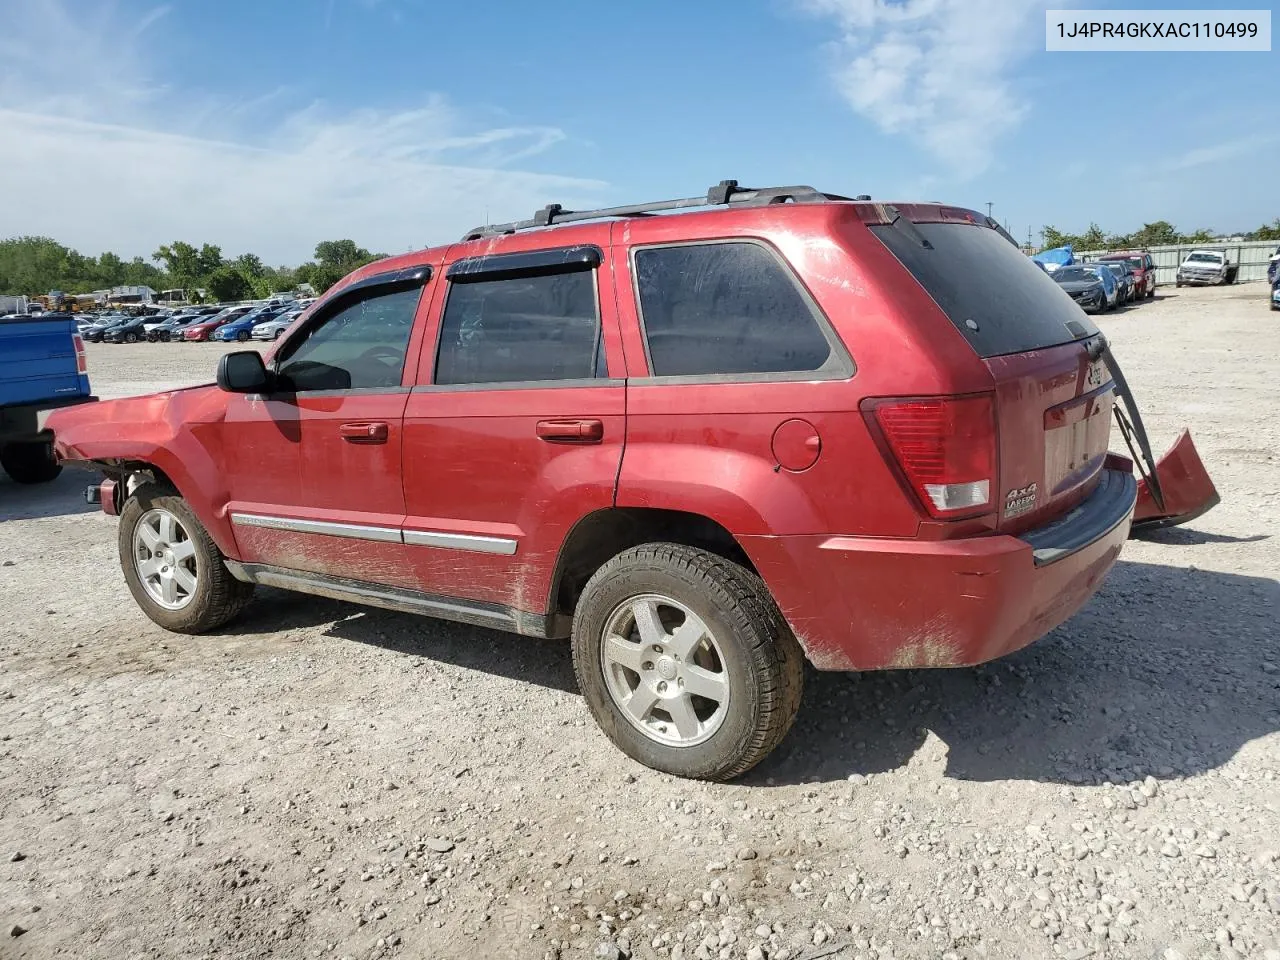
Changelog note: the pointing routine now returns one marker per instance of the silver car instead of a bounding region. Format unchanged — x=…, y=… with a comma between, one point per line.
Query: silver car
x=271, y=329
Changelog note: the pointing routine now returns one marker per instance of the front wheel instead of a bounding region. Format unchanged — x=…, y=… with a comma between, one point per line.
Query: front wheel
x=29, y=462
x=685, y=661
x=130, y=338
x=243, y=336
x=174, y=570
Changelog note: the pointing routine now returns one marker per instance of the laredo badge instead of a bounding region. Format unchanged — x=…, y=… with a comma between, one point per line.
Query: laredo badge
x=1019, y=501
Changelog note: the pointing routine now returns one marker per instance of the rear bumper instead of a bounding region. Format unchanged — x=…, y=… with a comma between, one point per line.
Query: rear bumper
x=858, y=603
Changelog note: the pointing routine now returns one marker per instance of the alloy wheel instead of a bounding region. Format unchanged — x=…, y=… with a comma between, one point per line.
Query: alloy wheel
x=664, y=670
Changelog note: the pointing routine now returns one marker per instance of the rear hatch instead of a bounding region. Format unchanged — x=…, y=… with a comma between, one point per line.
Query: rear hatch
x=1053, y=394
x=41, y=360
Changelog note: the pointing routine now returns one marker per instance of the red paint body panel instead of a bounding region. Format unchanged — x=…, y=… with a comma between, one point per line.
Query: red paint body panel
x=791, y=468
x=868, y=604
x=1187, y=488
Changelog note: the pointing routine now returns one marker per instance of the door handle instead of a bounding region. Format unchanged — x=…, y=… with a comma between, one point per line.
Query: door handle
x=366, y=432
x=571, y=431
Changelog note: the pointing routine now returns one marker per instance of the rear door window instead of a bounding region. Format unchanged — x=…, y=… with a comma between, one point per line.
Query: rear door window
x=990, y=291
x=728, y=309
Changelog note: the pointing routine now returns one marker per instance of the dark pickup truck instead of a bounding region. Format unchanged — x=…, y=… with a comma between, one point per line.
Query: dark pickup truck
x=42, y=368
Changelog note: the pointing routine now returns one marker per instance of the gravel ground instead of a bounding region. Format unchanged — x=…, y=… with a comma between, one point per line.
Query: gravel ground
x=326, y=781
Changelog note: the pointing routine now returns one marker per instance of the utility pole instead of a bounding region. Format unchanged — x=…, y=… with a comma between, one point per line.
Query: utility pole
x=989, y=206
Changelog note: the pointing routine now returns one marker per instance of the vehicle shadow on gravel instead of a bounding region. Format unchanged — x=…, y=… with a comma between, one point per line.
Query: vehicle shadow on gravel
x=542, y=662
x=60, y=498
x=1161, y=675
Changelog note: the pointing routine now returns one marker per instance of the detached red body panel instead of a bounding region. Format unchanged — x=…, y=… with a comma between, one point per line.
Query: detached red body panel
x=1185, y=486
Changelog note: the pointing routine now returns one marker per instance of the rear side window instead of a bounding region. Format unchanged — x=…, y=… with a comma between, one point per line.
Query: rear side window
x=521, y=329
x=990, y=290
x=726, y=308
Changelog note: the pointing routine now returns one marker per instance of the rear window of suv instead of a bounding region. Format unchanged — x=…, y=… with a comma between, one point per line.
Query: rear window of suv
x=991, y=292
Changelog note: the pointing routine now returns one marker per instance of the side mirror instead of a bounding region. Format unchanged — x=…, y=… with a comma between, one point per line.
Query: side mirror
x=243, y=372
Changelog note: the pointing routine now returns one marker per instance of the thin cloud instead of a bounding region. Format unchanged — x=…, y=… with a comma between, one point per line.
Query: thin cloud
x=1201, y=156
x=938, y=72
x=133, y=164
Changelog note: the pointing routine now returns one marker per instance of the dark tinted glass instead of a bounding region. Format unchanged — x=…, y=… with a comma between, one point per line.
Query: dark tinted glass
x=725, y=308
x=542, y=327
x=361, y=346
x=976, y=275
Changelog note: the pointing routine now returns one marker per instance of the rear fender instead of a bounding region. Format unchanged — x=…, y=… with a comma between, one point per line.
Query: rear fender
x=745, y=494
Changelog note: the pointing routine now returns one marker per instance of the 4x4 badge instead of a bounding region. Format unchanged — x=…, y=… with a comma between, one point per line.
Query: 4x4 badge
x=1020, y=500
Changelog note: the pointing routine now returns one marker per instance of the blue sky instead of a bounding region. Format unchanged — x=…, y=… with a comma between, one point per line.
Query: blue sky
x=267, y=126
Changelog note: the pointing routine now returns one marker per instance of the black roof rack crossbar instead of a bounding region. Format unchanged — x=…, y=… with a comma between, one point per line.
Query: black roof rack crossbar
x=724, y=193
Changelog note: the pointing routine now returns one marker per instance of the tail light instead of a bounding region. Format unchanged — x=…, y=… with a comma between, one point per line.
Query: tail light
x=945, y=448
x=82, y=365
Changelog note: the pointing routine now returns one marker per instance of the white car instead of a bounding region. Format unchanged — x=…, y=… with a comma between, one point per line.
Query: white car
x=1206, y=266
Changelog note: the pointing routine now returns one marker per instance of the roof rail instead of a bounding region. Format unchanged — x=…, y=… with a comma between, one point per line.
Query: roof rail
x=725, y=193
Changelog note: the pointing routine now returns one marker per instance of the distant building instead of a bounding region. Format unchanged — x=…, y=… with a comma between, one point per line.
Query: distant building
x=131, y=295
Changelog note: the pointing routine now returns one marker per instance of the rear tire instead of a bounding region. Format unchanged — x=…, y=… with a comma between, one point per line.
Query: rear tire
x=654, y=600
x=176, y=573
x=30, y=462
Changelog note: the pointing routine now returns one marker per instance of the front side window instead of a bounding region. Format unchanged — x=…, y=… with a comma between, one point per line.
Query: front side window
x=361, y=346
x=520, y=329
x=725, y=308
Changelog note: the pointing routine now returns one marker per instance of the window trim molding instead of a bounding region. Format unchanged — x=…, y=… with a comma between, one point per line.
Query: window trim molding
x=496, y=277
x=510, y=266
x=839, y=365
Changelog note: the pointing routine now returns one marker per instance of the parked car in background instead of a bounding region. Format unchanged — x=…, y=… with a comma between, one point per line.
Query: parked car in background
x=1206, y=267
x=1275, y=294
x=1091, y=285
x=204, y=327
x=171, y=328
x=273, y=328
x=241, y=328
x=127, y=331
x=1144, y=270
x=96, y=332
x=176, y=318
x=1125, y=279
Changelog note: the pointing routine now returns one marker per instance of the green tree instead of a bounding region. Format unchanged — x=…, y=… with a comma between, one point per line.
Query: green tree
x=1158, y=234
x=228, y=283
x=1269, y=231
x=182, y=261
x=1200, y=236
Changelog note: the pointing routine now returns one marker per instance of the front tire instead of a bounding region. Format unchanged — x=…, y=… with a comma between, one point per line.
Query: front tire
x=685, y=661
x=243, y=336
x=174, y=570
x=130, y=338
x=30, y=462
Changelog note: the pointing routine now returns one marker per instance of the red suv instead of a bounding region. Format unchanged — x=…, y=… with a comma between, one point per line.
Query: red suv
x=705, y=447
x=1144, y=271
